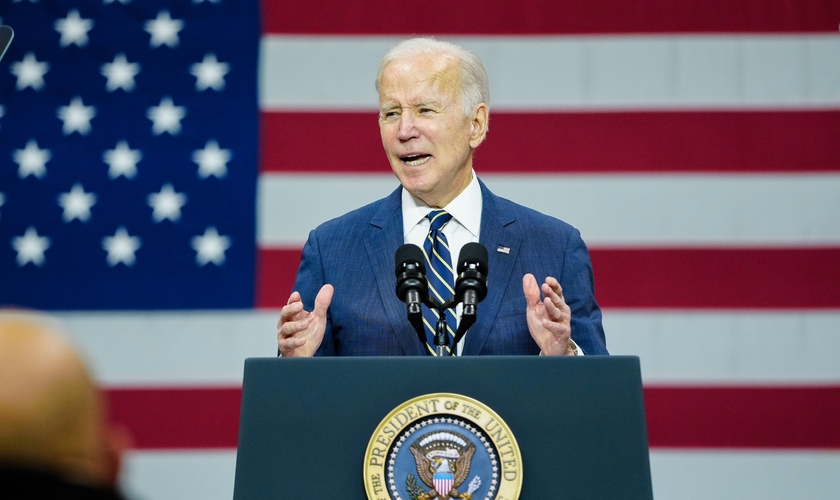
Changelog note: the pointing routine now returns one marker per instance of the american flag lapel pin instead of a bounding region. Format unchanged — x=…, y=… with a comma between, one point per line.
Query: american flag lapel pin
x=502, y=249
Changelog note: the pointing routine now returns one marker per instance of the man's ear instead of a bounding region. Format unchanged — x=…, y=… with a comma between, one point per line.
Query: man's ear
x=478, y=124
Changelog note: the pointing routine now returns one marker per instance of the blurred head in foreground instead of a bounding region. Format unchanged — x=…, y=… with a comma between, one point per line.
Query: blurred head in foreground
x=52, y=415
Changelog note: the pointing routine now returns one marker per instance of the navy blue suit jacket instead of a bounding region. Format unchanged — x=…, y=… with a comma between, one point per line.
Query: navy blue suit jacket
x=355, y=253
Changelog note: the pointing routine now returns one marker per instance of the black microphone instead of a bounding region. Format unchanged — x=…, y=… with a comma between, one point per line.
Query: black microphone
x=412, y=287
x=6, y=35
x=471, y=285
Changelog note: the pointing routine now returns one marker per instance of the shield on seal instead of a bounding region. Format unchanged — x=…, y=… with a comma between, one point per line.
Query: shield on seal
x=443, y=482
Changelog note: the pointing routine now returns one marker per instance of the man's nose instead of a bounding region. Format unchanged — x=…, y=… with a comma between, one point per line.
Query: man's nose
x=408, y=129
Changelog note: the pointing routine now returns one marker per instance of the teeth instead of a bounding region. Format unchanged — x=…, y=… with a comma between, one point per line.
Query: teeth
x=417, y=160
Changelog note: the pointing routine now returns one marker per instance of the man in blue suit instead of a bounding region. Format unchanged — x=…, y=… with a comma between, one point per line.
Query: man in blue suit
x=433, y=115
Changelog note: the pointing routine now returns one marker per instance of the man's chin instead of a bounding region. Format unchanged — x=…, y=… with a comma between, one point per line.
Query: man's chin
x=412, y=178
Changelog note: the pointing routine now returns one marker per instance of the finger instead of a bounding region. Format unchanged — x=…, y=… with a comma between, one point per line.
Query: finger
x=289, y=312
x=530, y=289
x=293, y=306
x=292, y=328
x=551, y=288
x=553, y=285
x=549, y=293
x=558, y=330
x=322, y=300
x=291, y=343
x=554, y=312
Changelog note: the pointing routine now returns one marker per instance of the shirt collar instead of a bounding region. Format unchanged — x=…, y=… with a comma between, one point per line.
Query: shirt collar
x=465, y=208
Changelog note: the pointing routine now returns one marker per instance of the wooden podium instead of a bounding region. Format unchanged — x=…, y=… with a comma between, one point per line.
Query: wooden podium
x=579, y=421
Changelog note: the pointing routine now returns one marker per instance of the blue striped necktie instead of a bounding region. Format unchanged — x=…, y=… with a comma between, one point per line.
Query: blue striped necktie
x=440, y=276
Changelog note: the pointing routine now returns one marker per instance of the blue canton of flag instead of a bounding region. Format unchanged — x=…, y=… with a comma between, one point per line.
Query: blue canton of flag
x=128, y=154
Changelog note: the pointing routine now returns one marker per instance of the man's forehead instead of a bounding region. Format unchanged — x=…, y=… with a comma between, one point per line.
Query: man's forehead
x=425, y=63
x=426, y=79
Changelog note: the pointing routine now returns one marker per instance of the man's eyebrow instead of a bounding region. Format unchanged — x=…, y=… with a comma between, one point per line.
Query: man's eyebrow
x=425, y=103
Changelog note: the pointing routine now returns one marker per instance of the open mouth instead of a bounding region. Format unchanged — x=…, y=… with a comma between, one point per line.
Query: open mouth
x=414, y=160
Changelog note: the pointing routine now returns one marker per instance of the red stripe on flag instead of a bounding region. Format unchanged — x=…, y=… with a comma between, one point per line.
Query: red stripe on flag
x=785, y=278
x=686, y=141
x=178, y=418
x=684, y=417
x=743, y=417
x=532, y=17
x=276, y=272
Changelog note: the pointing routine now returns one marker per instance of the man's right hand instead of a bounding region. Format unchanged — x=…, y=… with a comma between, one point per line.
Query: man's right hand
x=299, y=333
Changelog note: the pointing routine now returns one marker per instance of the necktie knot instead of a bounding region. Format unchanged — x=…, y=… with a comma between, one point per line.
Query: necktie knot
x=438, y=218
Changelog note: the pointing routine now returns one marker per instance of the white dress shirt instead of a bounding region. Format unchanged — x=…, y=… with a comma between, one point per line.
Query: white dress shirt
x=462, y=229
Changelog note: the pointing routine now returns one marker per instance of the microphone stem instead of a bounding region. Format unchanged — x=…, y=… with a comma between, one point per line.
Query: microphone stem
x=440, y=335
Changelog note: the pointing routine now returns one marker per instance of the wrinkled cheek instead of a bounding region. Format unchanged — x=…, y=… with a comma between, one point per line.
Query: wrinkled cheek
x=389, y=131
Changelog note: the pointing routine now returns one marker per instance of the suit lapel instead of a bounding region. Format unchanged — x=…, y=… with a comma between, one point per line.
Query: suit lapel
x=384, y=237
x=502, y=240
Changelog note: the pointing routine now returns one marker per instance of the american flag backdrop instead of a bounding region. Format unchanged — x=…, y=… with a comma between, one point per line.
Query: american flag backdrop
x=161, y=163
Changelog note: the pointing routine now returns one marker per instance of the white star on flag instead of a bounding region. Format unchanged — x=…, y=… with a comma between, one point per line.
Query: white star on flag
x=76, y=117
x=124, y=2
x=30, y=72
x=166, y=204
x=210, y=247
x=202, y=1
x=166, y=117
x=2, y=112
x=32, y=160
x=164, y=30
x=73, y=29
x=2, y=200
x=209, y=73
x=30, y=247
x=76, y=203
x=122, y=160
x=120, y=74
x=212, y=160
x=121, y=247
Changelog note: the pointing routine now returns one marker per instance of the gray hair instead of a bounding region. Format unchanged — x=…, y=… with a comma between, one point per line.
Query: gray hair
x=475, y=88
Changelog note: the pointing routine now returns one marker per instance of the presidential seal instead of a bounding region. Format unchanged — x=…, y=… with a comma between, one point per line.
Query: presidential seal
x=442, y=446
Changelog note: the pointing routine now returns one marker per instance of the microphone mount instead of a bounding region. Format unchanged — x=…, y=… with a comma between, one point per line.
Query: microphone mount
x=470, y=289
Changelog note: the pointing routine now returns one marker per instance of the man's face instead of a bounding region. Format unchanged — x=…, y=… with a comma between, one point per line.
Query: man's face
x=428, y=139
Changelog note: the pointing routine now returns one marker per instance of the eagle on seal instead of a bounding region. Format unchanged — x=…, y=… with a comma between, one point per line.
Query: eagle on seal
x=427, y=468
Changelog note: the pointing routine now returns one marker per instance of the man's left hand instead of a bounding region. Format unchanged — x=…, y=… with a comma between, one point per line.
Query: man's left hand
x=550, y=319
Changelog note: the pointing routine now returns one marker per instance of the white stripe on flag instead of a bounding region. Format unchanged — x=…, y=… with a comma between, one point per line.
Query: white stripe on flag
x=172, y=348
x=776, y=475
x=179, y=475
x=183, y=348
x=609, y=210
x=574, y=72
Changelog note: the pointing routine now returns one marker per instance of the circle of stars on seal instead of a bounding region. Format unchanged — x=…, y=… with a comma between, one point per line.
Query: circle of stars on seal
x=475, y=431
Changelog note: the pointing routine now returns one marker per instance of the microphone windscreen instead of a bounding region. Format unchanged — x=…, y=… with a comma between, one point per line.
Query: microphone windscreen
x=6, y=35
x=473, y=253
x=410, y=254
